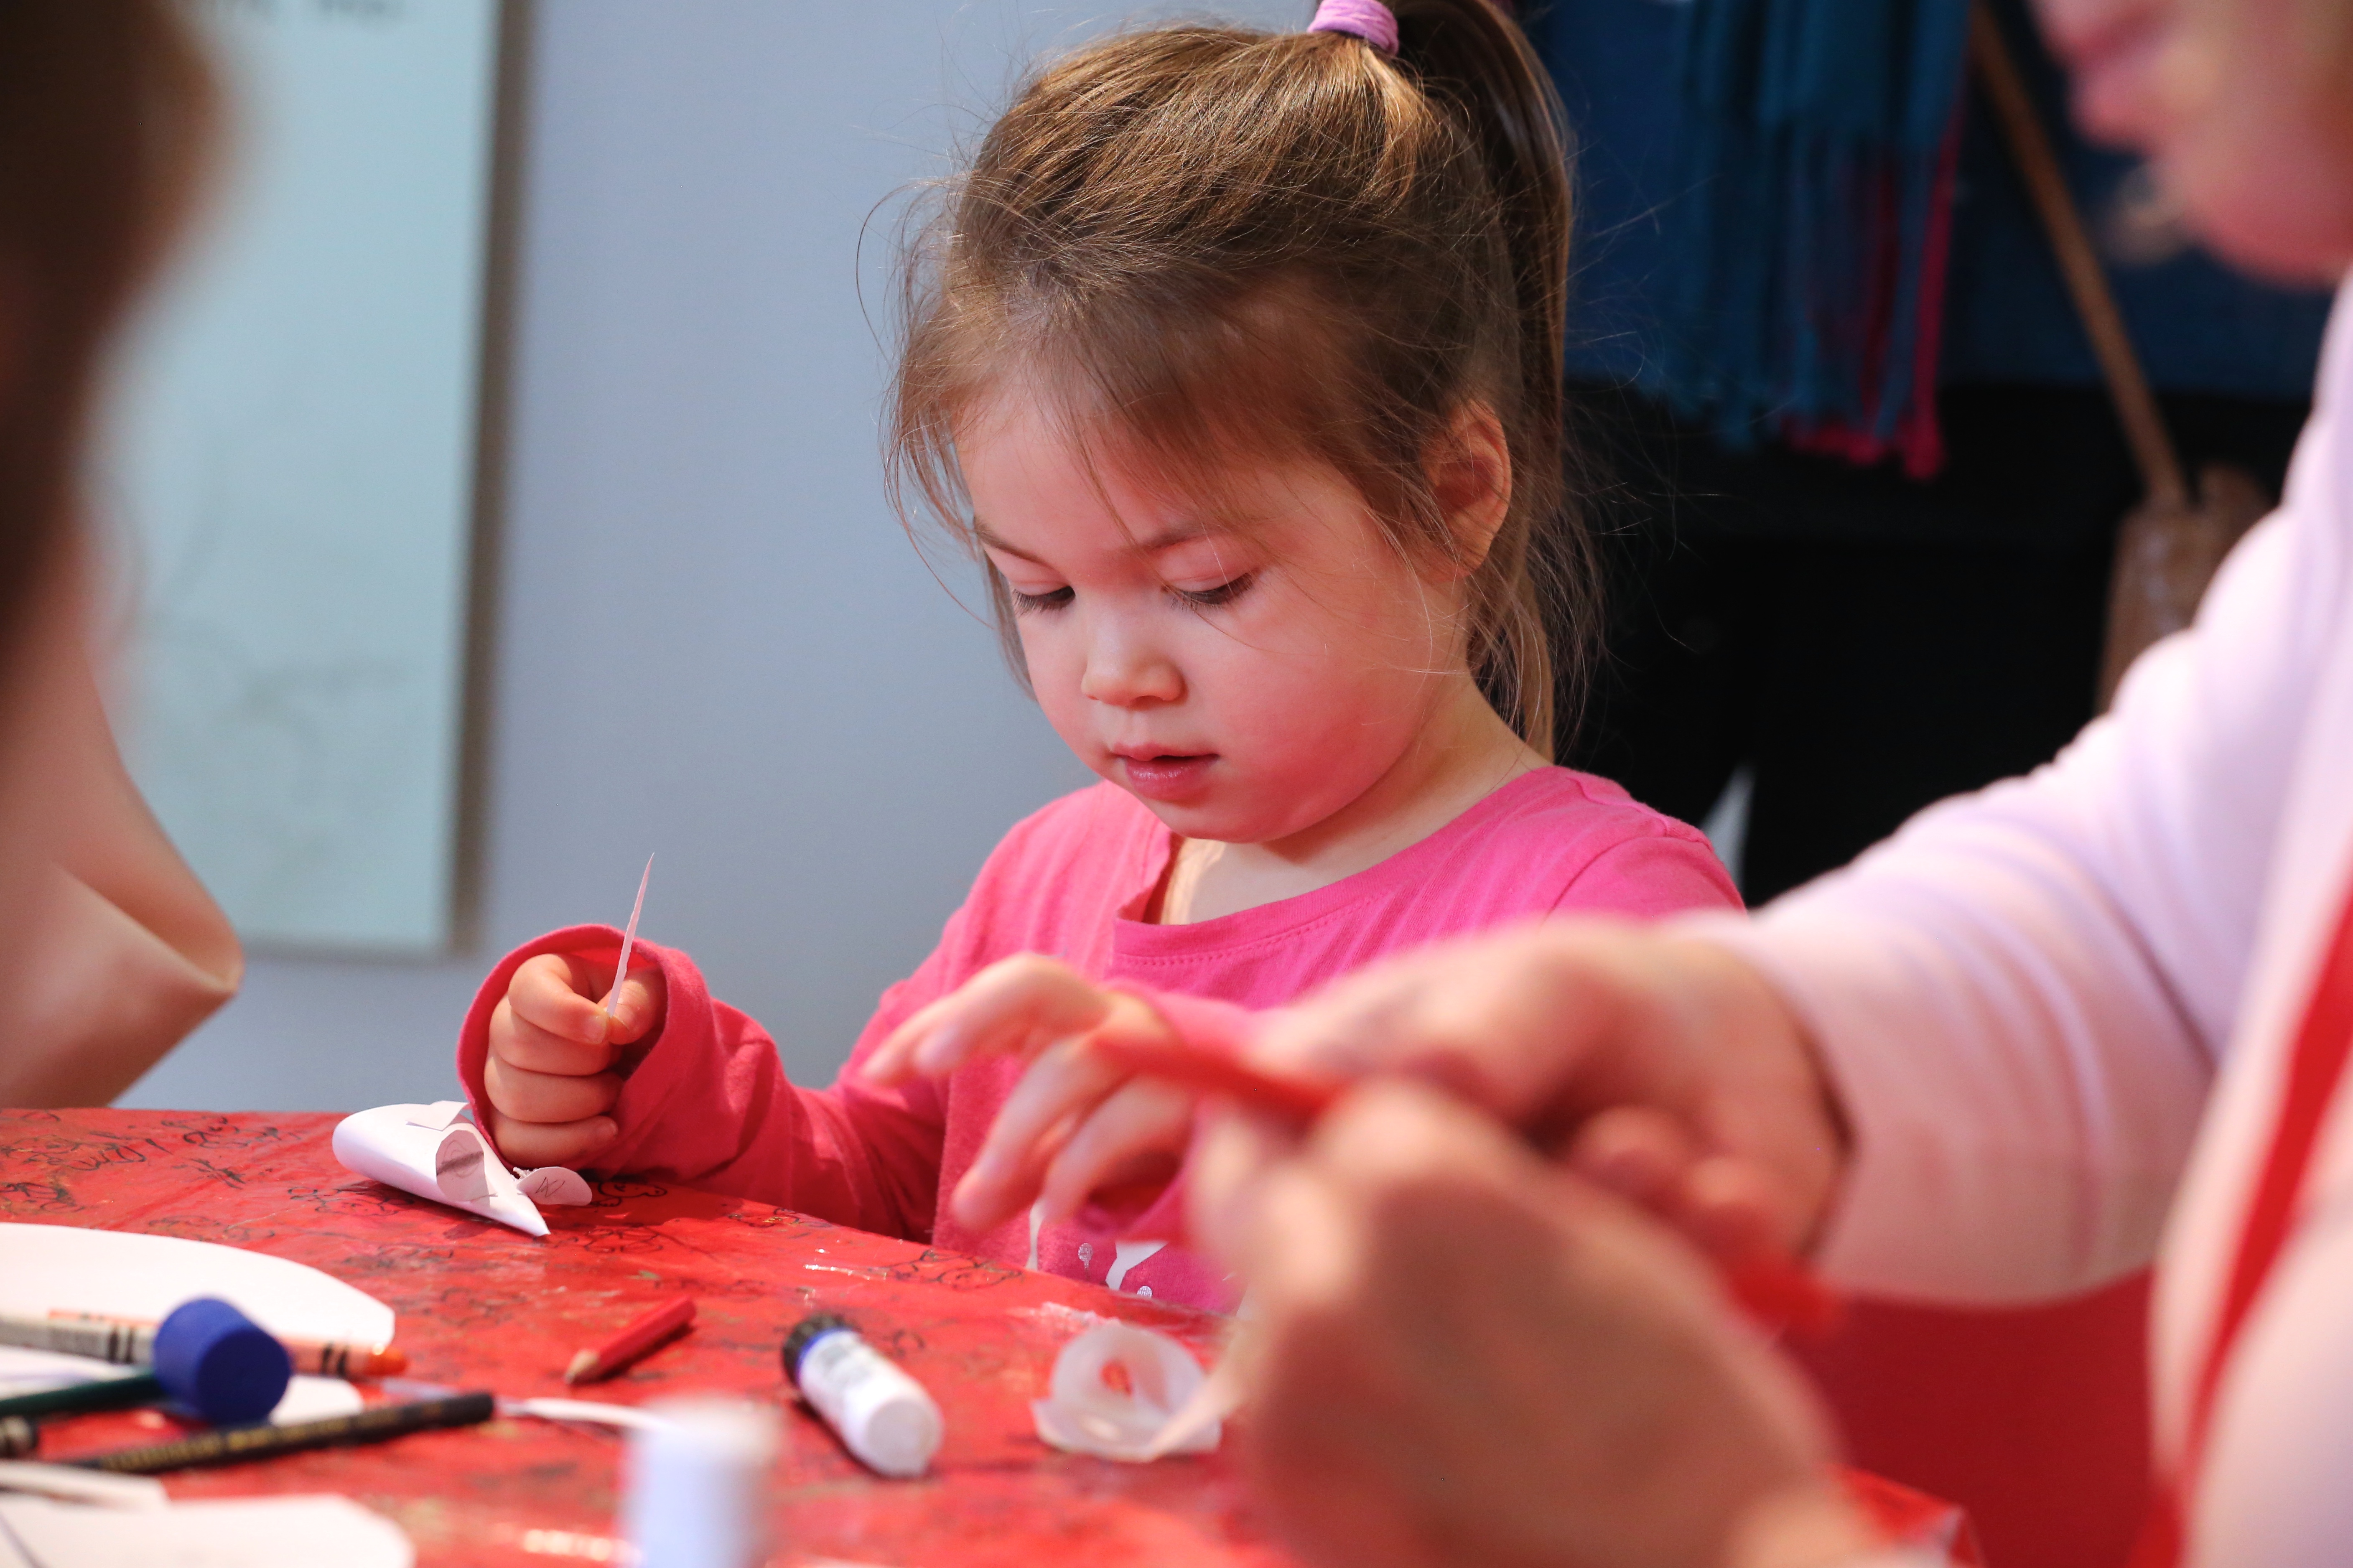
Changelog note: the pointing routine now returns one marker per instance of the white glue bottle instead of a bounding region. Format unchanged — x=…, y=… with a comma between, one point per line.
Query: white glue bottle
x=698, y=1485
x=881, y=1414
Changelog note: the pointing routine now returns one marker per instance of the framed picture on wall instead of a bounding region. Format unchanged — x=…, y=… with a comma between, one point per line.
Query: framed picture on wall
x=292, y=473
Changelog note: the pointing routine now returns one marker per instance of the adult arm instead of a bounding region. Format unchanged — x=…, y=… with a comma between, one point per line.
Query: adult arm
x=2022, y=997
x=1982, y=1051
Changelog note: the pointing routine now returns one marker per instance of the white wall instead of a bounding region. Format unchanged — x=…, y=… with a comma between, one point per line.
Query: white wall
x=709, y=639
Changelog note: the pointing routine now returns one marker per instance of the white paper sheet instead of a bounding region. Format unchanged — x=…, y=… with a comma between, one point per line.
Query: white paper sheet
x=65, y=1483
x=429, y=1151
x=234, y=1532
x=122, y=1274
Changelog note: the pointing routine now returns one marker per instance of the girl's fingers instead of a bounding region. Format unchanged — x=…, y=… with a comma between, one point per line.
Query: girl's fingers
x=637, y=1010
x=528, y=1095
x=571, y=1143
x=1062, y=1085
x=892, y=1061
x=561, y=994
x=1140, y=1131
x=519, y=1043
x=1017, y=1006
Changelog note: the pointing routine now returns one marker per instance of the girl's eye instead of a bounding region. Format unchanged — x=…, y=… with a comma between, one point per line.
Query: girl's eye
x=1053, y=599
x=1225, y=593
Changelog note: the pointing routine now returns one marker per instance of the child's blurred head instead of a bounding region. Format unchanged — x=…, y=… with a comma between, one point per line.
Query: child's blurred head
x=1238, y=357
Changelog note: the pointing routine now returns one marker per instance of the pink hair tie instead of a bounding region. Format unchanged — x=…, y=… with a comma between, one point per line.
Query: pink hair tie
x=1367, y=20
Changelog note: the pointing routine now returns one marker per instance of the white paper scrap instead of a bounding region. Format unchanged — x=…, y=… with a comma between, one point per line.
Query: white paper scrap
x=450, y=1163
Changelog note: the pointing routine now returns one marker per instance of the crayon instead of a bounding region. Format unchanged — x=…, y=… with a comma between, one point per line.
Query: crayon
x=18, y=1436
x=206, y=1355
x=1776, y=1291
x=236, y=1445
x=649, y=1330
x=129, y=1341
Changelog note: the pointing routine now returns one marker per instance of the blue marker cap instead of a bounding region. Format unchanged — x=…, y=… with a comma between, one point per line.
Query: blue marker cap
x=213, y=1359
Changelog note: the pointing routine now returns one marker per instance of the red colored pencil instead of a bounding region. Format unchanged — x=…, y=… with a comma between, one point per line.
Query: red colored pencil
x=664, y=1322
x=1776, y=1291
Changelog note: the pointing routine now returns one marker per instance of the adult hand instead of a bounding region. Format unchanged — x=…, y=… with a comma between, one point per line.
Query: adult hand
x=1462, y=1353
x=556, y=1061
x=1660, y=1066
x=1075, y=1125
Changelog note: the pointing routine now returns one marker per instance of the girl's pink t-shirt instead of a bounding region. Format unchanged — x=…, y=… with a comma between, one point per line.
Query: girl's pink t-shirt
x=709, y=1104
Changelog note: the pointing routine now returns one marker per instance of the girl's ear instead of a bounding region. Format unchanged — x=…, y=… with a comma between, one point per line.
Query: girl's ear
x=1471, y=477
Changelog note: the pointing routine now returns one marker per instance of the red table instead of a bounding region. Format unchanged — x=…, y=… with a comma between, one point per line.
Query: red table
x=482, y=1306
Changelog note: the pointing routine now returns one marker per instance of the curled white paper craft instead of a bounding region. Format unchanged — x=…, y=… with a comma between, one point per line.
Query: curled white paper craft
x=1083, y=1414
x=429, y=1150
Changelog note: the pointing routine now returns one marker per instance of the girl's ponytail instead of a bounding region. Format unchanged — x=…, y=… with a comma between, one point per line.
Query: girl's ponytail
x=1472, y=56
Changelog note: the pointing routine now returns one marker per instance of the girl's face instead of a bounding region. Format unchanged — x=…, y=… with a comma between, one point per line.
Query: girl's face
x=2245, y=105
x=1244, y=675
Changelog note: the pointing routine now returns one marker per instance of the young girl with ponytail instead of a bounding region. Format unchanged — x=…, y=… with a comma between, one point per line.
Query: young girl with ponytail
x=1236, y=358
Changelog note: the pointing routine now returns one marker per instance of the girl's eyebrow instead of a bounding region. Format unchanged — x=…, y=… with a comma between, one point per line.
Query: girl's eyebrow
x=990, y=541
x=1167, y=539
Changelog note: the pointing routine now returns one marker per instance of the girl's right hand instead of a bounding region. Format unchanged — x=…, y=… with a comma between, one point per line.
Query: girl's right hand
x=556, y=1061
x=1076, y=1128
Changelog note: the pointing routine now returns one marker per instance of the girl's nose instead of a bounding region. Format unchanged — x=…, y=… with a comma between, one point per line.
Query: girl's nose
x=1125, y=673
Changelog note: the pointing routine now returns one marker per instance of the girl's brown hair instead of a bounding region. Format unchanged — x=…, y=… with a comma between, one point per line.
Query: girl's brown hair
x=1212, y=240
x=106, y=116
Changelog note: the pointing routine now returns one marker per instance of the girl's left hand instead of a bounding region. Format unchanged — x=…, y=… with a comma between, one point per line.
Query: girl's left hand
x=1076, y=1126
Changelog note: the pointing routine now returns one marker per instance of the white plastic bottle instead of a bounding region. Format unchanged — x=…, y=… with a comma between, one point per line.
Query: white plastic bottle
x=698, y=1485
x=881, y=1414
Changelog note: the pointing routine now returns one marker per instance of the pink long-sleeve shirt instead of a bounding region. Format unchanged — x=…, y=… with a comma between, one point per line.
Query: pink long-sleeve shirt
x=710, y=1106
x=2058, y=1013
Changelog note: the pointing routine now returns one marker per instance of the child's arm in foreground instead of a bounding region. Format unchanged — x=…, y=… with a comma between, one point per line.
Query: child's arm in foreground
x=677, y=1086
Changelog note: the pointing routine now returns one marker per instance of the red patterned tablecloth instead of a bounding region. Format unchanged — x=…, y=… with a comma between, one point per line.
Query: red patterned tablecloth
x=482, y=1306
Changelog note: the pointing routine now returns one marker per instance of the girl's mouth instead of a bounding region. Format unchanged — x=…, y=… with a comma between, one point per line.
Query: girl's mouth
x=1166, y=777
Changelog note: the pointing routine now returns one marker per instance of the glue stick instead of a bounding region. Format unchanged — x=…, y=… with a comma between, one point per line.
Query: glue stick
x=881, y=1414
x=698, y=1484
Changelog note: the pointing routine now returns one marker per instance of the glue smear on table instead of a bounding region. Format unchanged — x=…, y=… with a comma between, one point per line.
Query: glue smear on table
x=629, y=939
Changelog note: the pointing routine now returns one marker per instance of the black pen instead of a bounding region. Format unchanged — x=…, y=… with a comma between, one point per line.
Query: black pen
x=235, y=1444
